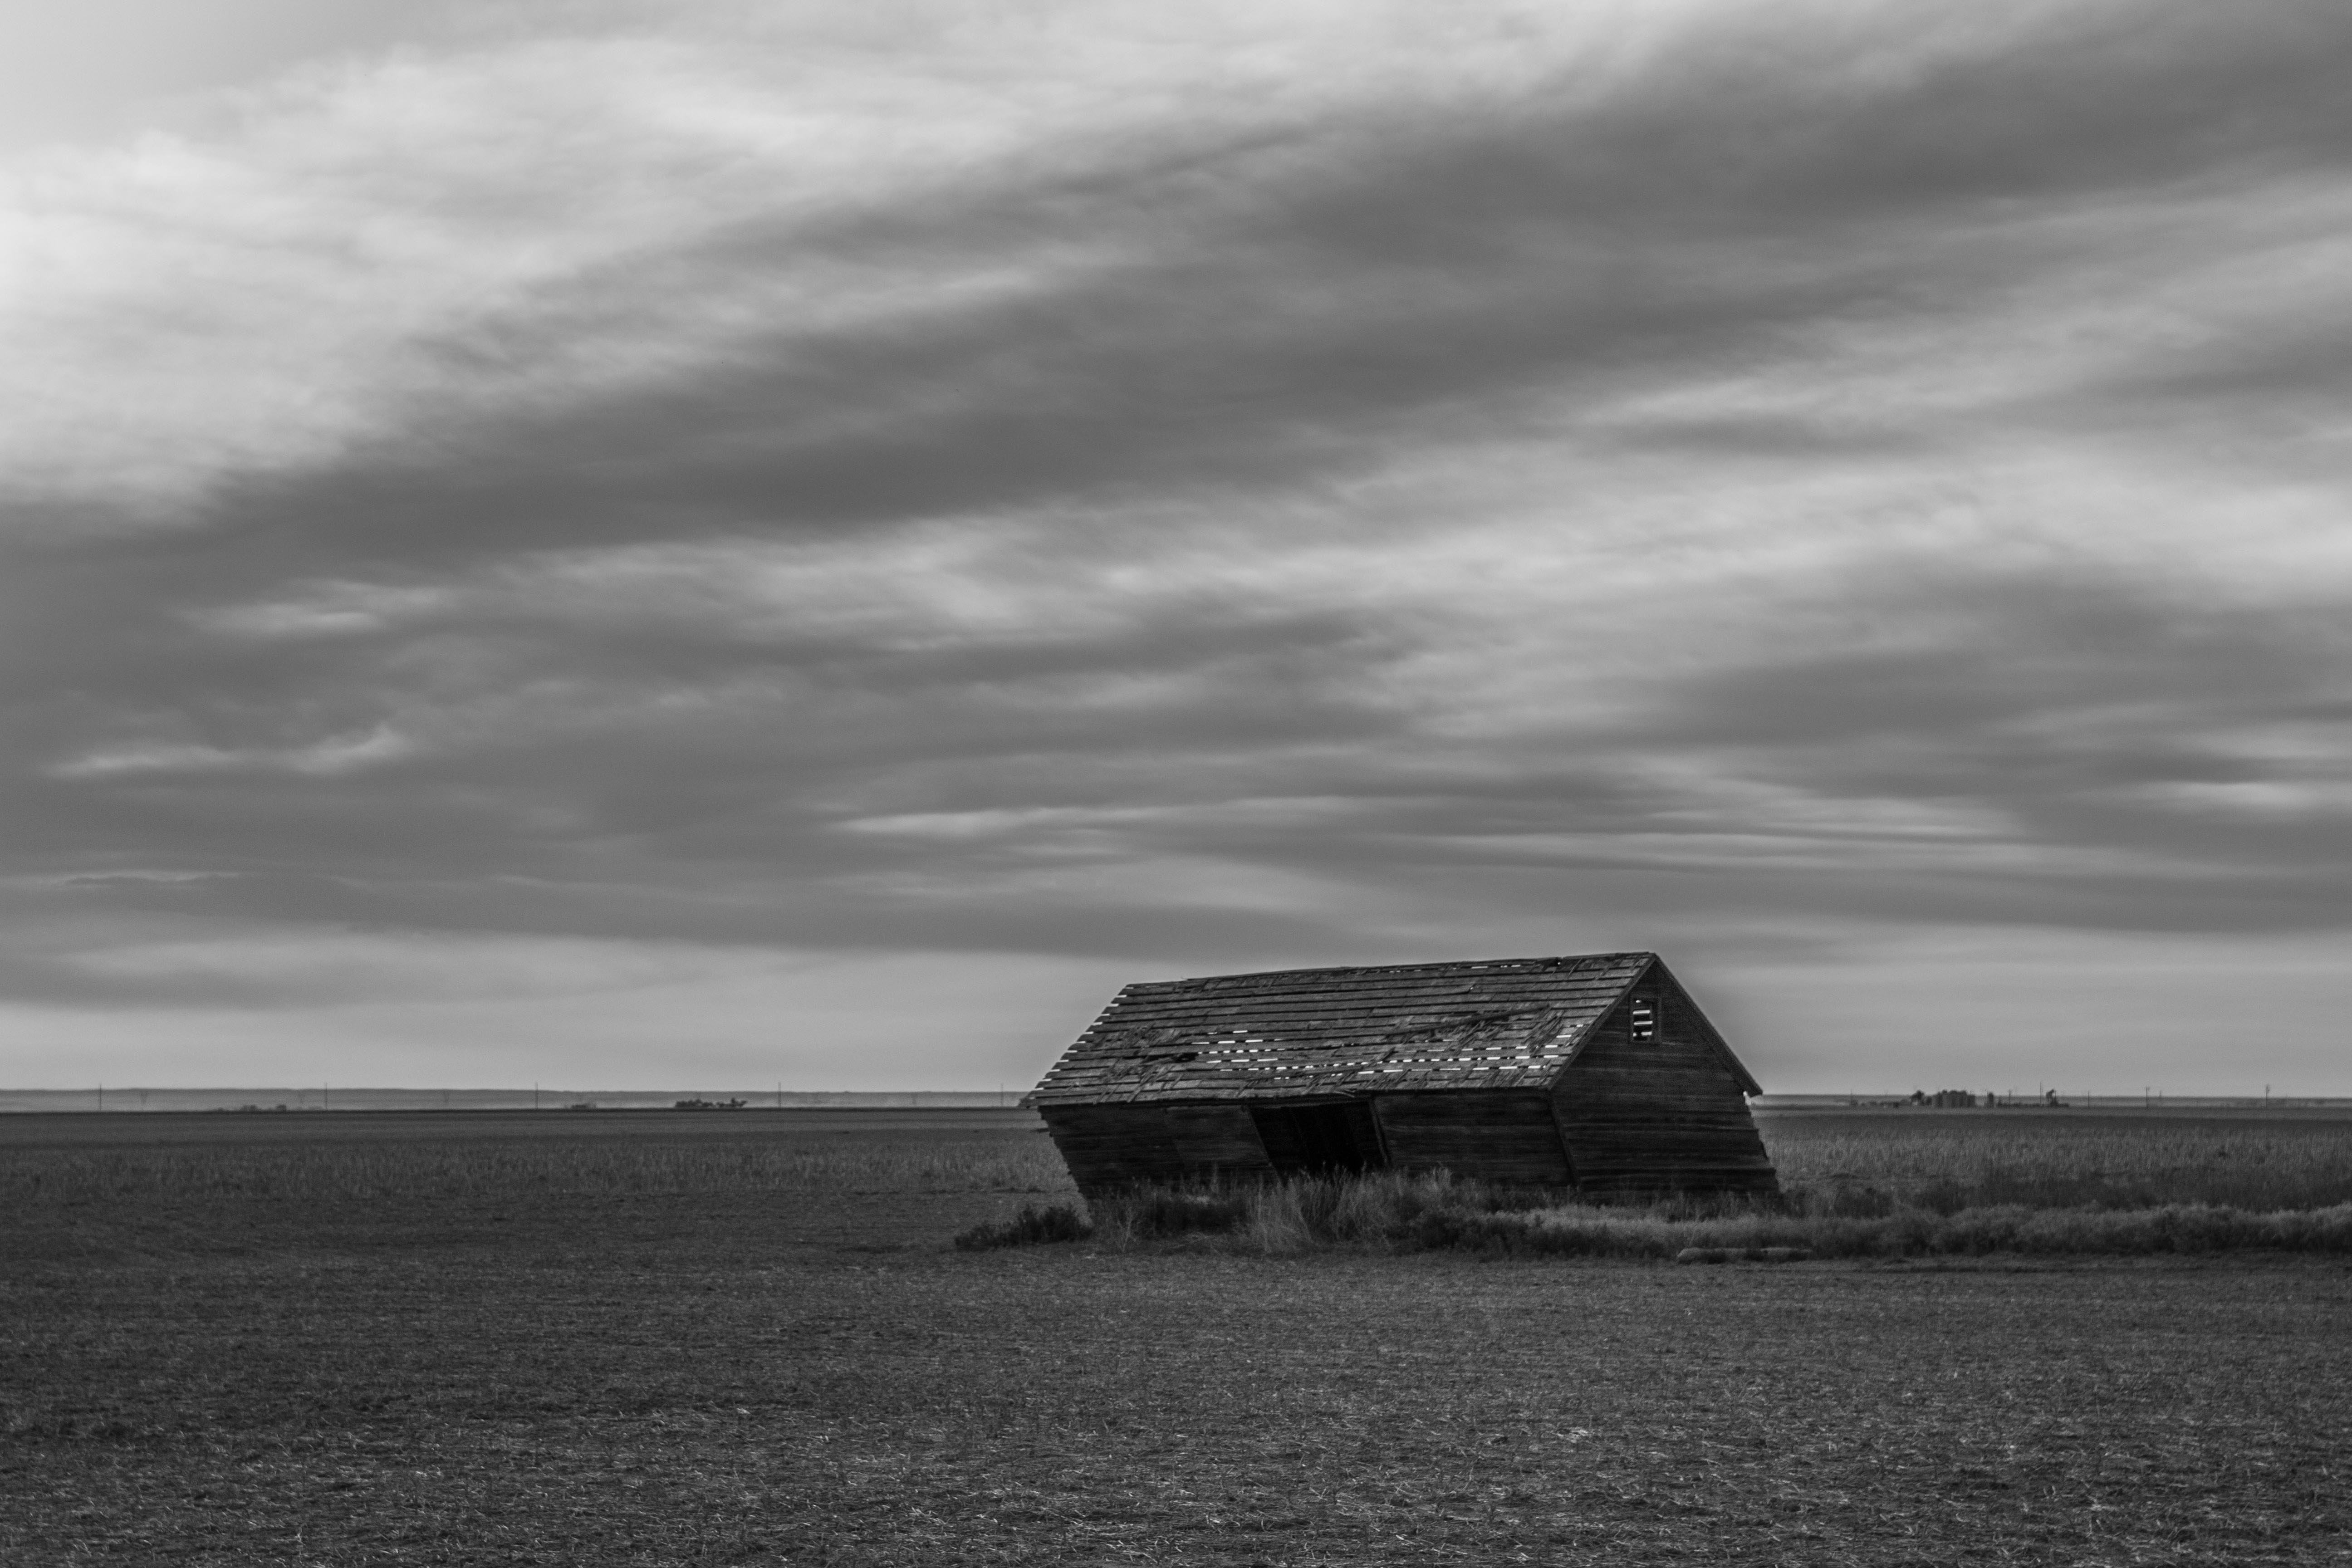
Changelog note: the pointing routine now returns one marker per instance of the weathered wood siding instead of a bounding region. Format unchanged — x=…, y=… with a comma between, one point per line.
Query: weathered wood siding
x=1111, y=1146
x=1663, y=1114
x=1506, y=1136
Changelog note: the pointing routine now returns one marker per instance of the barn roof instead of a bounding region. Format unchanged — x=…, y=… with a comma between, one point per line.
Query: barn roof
x=1513, y=1023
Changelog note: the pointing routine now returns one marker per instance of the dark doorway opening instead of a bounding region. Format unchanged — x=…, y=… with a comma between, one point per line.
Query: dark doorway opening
x=1334, y=1139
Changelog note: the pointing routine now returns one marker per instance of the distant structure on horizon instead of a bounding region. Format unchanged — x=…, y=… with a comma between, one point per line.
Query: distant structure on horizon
x=1597, y=1073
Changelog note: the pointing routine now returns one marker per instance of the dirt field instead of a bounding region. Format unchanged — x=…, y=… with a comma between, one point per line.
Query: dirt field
x=499, y=1369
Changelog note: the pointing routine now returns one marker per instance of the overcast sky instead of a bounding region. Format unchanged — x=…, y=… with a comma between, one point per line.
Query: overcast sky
x=718, y=543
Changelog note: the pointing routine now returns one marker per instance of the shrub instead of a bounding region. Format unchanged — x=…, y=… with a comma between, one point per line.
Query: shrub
x=1031, y=1227
x=1168, y=1212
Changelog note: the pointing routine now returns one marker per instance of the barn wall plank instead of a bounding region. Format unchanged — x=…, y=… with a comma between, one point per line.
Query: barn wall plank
x=1504, y=1136
x=1111, y=1146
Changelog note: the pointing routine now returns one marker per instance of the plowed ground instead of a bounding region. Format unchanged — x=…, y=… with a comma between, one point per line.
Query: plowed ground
x=698, y=1378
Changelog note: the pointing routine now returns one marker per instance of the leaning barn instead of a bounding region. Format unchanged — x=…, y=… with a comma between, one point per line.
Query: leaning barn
x=1597, y=1073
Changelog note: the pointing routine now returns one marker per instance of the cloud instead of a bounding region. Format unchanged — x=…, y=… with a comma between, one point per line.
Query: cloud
x=1244, y=486
x=717, y=275
x=340, y=755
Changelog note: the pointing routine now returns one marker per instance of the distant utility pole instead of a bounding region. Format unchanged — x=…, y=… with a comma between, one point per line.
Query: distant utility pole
x=101, y=1097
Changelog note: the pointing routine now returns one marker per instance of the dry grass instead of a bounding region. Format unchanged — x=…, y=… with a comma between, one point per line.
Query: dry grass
x=1399, y=1213
x=1951, y=1161
x=1906, y=1232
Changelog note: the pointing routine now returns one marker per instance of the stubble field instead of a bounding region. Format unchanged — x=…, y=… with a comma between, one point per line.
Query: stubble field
x=642, y=1339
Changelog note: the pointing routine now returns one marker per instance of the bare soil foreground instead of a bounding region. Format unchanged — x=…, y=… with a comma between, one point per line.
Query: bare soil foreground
x=728, y=1338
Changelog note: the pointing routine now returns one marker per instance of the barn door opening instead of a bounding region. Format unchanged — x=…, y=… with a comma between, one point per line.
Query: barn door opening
x=1338, y=1138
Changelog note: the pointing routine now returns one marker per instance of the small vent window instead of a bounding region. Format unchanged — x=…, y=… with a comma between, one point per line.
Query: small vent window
x=1645, y=1019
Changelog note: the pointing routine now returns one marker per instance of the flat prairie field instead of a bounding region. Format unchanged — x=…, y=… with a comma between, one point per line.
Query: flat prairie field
x=745, y=1338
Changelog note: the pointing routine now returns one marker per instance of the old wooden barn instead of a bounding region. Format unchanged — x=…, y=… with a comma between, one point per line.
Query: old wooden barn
x=1597, y=1073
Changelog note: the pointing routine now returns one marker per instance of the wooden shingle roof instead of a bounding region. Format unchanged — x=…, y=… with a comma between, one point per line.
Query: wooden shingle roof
x=1504, y=1024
